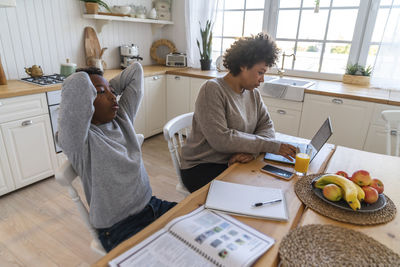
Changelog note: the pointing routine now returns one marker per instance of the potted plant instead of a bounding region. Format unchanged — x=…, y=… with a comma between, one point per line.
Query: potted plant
x=357, y=74
x=92, y=6
x=205, y=49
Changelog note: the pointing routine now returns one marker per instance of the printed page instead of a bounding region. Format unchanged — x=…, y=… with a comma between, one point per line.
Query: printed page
x=222, y=238
x=159, y=250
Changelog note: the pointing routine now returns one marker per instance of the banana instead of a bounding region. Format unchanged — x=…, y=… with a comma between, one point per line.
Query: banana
x=349, y=188
x=360, y=193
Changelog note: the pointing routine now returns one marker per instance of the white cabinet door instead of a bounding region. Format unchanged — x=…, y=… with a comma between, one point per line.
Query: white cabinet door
x=285, y=120
x=178, y=95
x=6, y=181
x=140, y=119
x=350, y=119
x=285, y=114
x=155, y=104
x=30, y=149
x=195, y=85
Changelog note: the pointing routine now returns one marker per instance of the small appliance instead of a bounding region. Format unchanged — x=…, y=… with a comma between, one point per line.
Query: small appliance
x=129, y=54
x=176, y=60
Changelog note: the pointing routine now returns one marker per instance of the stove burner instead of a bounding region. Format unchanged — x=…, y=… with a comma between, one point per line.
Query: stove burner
x=45, y=80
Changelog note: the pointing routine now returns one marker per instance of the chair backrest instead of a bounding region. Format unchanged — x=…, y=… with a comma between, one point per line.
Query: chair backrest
x=174, y=131
x=392, y=119
x=65, y=175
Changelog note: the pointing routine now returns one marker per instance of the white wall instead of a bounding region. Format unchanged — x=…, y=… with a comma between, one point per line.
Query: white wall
x=46, y=32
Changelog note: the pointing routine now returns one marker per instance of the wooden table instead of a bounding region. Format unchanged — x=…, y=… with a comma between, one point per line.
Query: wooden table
x=245, y=174
x=387, y=169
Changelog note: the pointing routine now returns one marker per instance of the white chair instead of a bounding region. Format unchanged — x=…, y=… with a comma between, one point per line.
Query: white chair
x=392, y=119
x=173, y=134
x=65, y=175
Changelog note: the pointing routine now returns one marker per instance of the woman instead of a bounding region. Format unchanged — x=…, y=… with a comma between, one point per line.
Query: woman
x=231, y=123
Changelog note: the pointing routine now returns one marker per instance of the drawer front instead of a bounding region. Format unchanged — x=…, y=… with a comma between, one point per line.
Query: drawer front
x=21, y=107
x=275, y=102
x=286, y=121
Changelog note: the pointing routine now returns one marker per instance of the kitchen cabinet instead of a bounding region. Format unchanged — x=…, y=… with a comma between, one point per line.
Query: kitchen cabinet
x=140, y=119
x=195, y=85
x=178, y=95
x=285, y=115
x=376, y=137
x=155, y=104
x=350, y=119
x=6, y=182
x=27, y=142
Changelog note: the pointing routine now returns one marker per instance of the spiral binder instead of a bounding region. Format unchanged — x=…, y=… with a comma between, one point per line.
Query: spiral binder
x=204, y=255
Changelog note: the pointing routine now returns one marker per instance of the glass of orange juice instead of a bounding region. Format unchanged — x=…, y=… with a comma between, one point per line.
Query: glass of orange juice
x=301, y=164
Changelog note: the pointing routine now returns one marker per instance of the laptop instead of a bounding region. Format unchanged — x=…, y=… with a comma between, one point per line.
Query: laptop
x=312, y=148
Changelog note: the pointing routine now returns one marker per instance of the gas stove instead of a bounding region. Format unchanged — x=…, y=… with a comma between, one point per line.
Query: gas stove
x=45, y=80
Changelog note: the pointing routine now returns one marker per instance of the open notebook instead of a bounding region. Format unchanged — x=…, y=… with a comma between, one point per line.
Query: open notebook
x=239, y=199
x=200, y=238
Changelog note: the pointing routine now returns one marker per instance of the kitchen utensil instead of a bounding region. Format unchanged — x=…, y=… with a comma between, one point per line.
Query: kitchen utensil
x=67, y=68
x=34, y=71
x=3, y=80
x=92, y=45
x=102, y=52
x=95, y=62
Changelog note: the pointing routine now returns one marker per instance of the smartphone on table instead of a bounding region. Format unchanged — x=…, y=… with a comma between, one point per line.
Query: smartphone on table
x=278, y=172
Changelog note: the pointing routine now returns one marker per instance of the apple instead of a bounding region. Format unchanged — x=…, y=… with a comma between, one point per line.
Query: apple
x=332, y=192
x=343, y=173
x=371, y=195
x=361, y=177
x=378, y=185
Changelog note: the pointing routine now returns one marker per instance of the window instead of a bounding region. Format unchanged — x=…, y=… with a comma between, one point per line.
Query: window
x=323, y=39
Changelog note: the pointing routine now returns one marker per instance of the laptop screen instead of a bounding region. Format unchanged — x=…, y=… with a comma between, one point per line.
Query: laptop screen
x=322, y=135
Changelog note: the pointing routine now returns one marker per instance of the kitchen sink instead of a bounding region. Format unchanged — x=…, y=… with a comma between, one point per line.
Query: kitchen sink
x=284, y=88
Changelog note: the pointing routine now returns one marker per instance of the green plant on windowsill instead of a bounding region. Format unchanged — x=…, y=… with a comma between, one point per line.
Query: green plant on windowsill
x=357, y=74
x=205, y=50
x=92, y=6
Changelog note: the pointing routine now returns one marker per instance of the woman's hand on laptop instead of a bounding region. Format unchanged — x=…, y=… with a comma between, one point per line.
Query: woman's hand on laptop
x=287, y=151
x=240, y=157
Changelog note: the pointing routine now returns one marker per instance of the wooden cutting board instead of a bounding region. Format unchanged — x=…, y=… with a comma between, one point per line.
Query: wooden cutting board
x=92, y=45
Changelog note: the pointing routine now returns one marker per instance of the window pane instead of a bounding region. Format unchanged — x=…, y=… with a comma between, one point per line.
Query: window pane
x=313, y=25
x=236, y=4
x=217, y=30
x=255, y=4
x=233, y=23
x=253, y=22
x=226, y=43
x=307, y=56
x=287, y=24
x=373, y=50
x=380, y=23
x=337, y=3
x=311, y=3
x=216, y=44
x=288, y=48
x=341, y=25
x=289, y=3
x=335, y=58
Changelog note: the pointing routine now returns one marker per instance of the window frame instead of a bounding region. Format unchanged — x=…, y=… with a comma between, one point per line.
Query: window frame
x=360, y=43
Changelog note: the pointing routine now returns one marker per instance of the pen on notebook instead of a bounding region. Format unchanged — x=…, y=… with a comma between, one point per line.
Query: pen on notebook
x=259, y=204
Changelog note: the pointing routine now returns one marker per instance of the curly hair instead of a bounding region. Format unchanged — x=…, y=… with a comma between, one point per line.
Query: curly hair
x=91, y=70
x=248, y=51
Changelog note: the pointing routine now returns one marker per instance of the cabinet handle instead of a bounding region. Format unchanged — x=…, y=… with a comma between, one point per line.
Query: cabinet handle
x=26, y=123
x=177, y=77
x=393, y=132
x=337, y=101
x=156, y=77
x=281, y=111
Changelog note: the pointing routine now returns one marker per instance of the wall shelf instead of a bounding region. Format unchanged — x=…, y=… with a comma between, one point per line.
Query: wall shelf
x=102, y=20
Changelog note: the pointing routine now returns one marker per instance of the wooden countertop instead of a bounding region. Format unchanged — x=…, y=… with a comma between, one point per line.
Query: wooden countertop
x=321, y=87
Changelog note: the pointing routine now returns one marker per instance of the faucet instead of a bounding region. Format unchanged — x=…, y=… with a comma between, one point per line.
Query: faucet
x=281, y=71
